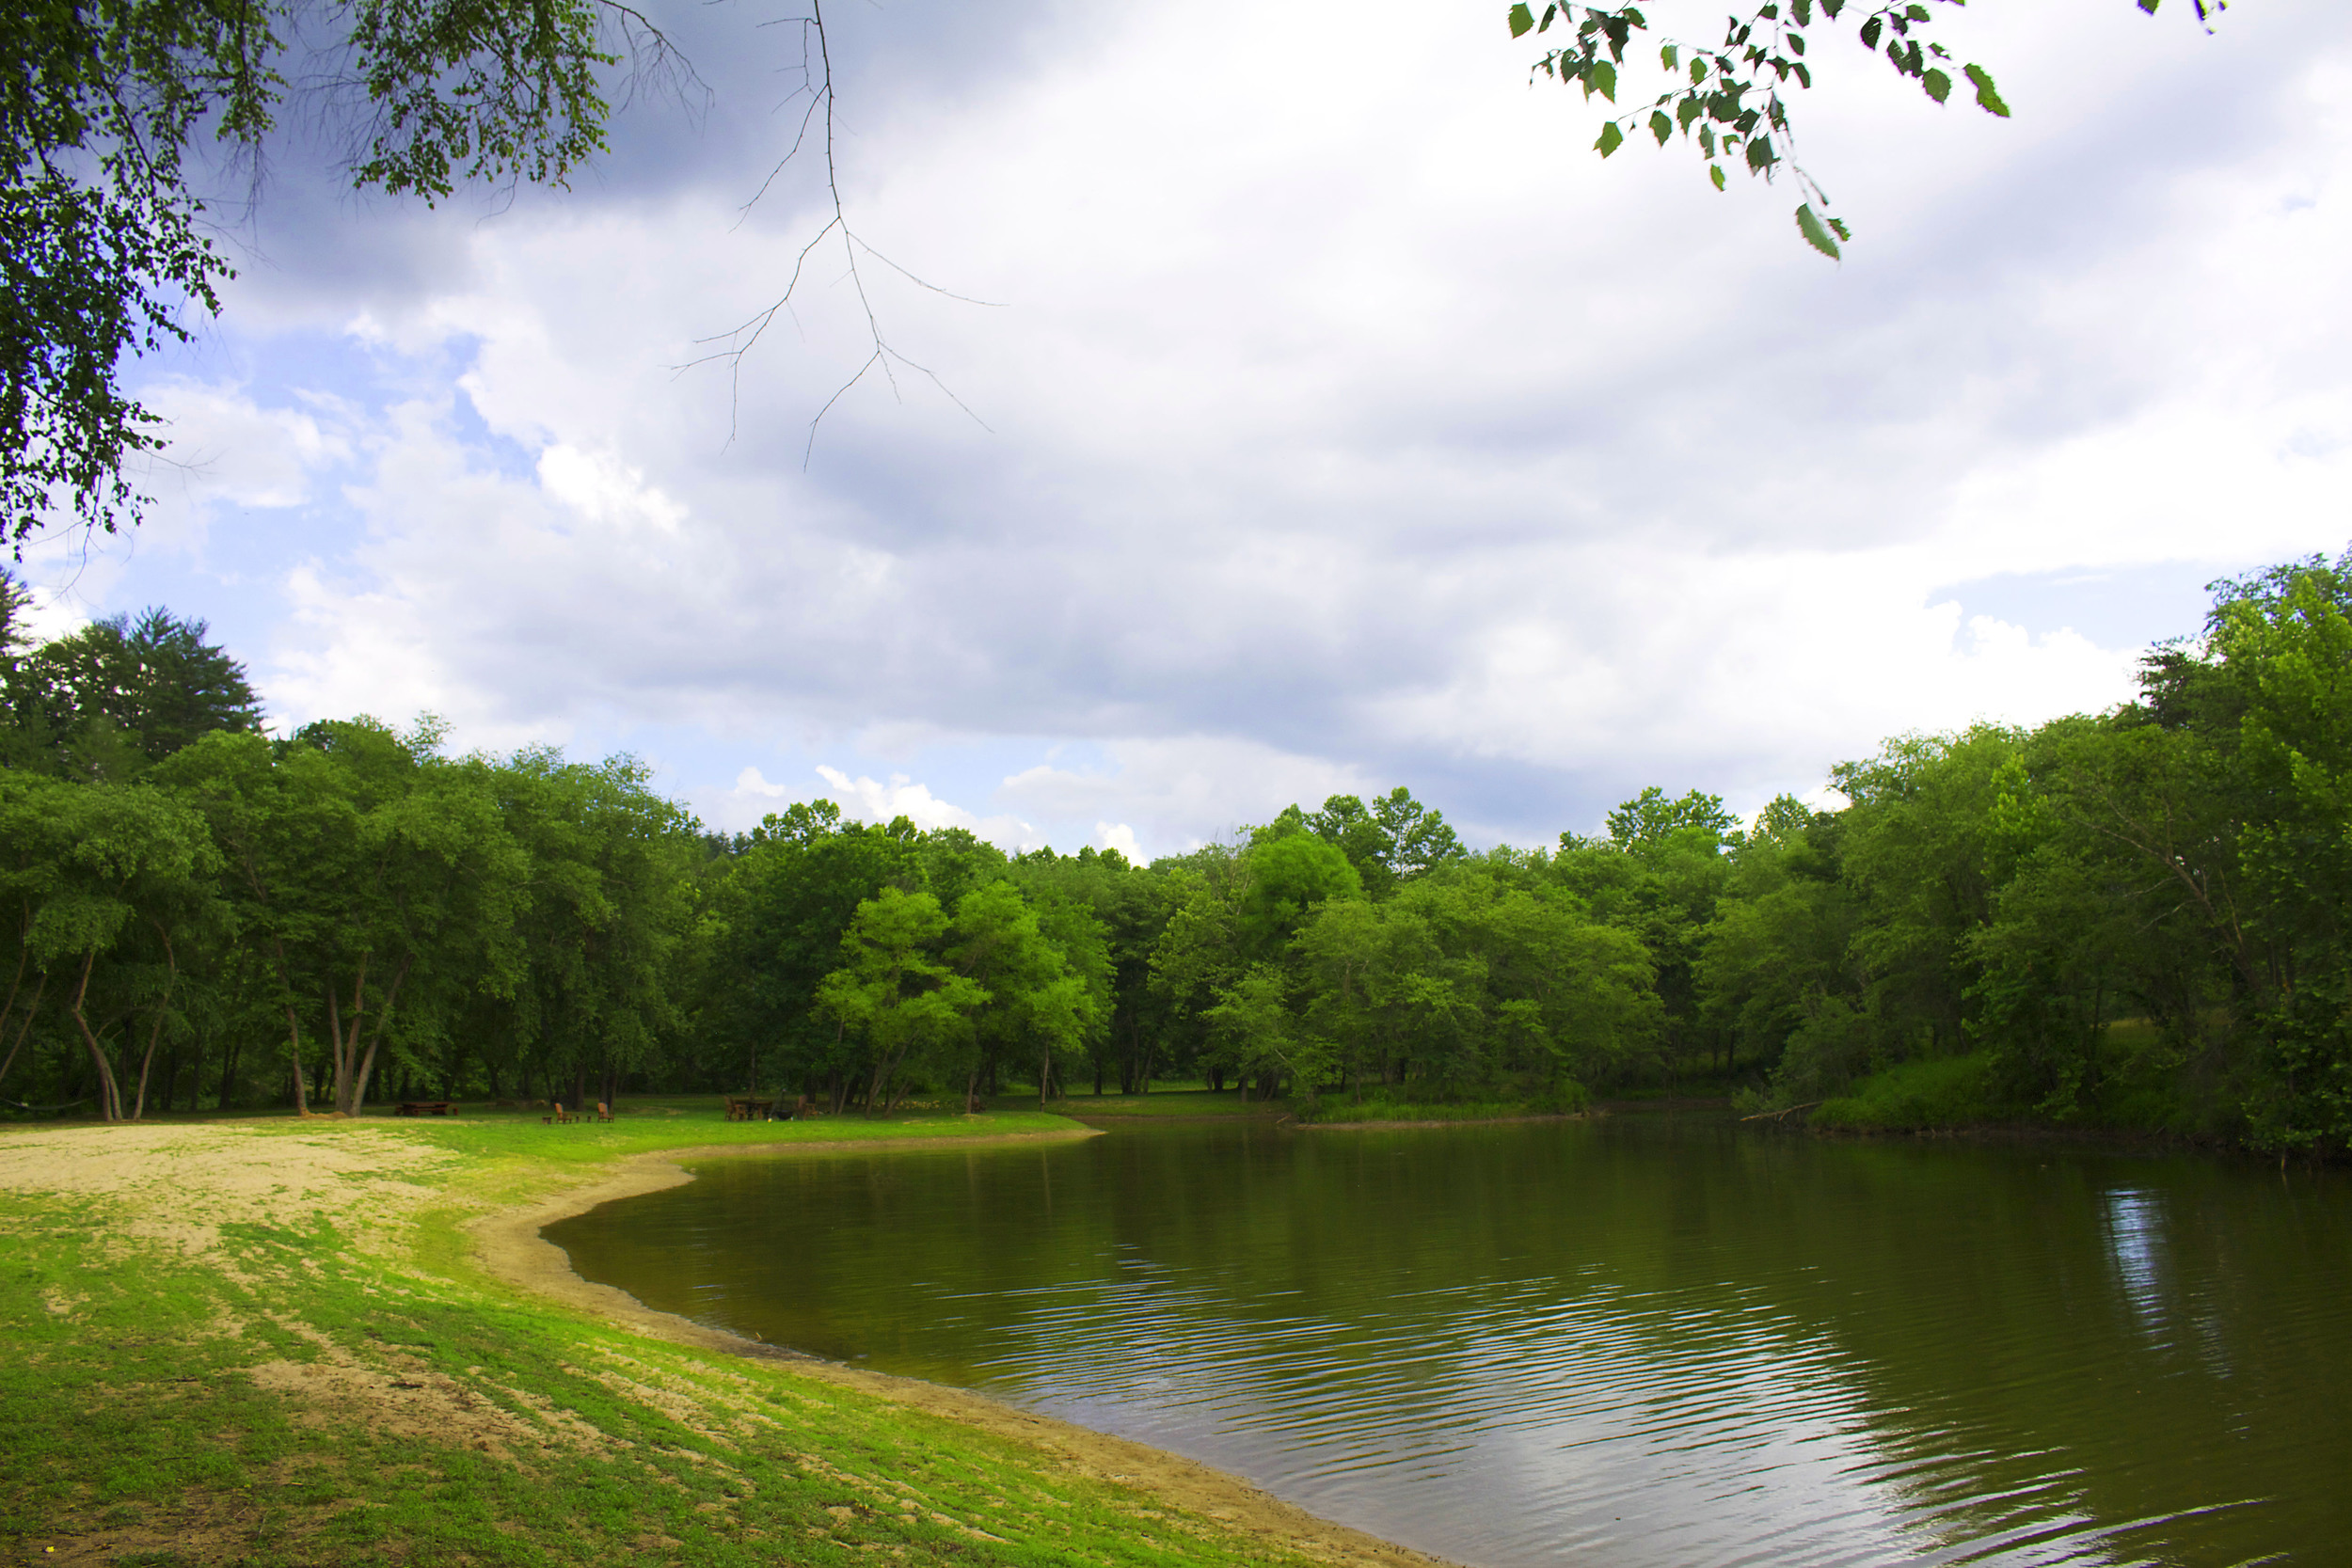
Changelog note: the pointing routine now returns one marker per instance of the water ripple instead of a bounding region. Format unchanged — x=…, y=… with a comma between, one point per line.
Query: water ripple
x=1538, y=1345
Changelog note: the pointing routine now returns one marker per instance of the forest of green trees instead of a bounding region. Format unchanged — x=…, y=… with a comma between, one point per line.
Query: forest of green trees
x=2130, y=919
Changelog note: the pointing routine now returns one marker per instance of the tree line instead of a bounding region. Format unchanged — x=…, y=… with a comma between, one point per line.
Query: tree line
x=2132, y=918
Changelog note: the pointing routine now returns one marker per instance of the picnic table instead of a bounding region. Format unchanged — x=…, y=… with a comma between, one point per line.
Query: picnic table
x=422, y=1108
x=744, y=1108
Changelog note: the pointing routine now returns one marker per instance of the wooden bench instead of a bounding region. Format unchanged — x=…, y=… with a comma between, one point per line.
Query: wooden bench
x=422, y=1108
x=744, y=1108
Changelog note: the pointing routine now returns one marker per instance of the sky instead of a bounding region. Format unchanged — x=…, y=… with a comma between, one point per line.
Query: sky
x=1284, y=401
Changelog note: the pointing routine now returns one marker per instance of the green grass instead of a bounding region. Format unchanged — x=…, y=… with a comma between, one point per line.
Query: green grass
x=1165, y=1102
x=201, y=1376
x=1385, y=1105
x=648, y=1129
x=2139, y=1090
x=1947, y=1091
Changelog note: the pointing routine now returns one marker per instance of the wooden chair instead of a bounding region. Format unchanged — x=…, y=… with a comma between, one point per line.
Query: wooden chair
x=604, y=1112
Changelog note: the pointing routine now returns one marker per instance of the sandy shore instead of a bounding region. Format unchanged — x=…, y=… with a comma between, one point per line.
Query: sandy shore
x=510, y=1246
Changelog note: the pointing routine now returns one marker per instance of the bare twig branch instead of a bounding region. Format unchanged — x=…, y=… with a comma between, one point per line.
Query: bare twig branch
x=732, y=347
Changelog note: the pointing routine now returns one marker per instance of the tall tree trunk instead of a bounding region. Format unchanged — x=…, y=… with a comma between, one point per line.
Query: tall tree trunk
x=27, y=1027
x=294, y=1027
x=383, y=1022
x=163, y=1011
x=294, y=1047
x=346, y=1045
x=24, y=955
x=334, y=1039
x=228, y=1071
x=147, y=1064
x=109, y=1094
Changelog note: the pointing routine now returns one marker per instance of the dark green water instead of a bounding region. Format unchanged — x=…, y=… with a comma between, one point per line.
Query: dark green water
x=1640, y=1340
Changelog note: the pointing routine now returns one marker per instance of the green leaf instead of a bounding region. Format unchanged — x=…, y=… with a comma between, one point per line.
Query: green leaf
x=1659, y=126
x=1699, y=71
x=1611, y=139
x=1688, y=110
x=1522, y=19
x=1803, y=12
x=1670, y=56
x=1938, y=85
x=1832, y=8
x=1870, y=34
x=1804, y=75
x=1715, y=172
x=1706, y=141
x=1987, y=98
x=1838, y=227
x=1602, y=79
x=1815, y=233
x=1915, y=13
x=1760, y=152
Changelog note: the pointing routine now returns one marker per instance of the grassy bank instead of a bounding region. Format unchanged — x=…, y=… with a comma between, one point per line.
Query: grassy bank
x=1381, y=1106
x=277, y=1343
x=1178, y=1103
x=1389, y=1106
x=2139, y=1093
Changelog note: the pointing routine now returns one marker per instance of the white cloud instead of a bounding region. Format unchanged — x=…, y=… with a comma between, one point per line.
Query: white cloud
x=1183, y=790
x=1330, y=445
x=864, y=799
x=603, y=489
x=49, y=615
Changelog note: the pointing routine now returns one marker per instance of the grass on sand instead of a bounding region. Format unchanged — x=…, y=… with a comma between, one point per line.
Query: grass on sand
x=288, y=1342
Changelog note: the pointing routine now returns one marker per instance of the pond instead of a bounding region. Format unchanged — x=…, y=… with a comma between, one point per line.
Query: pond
x=1638, y=1340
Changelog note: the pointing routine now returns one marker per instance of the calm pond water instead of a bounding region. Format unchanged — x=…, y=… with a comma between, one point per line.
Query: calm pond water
x=1639, y=1340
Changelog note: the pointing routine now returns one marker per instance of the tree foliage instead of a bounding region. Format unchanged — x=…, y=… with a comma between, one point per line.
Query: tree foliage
x=2130, y=918
x=115, y=114
x=1731, y=99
